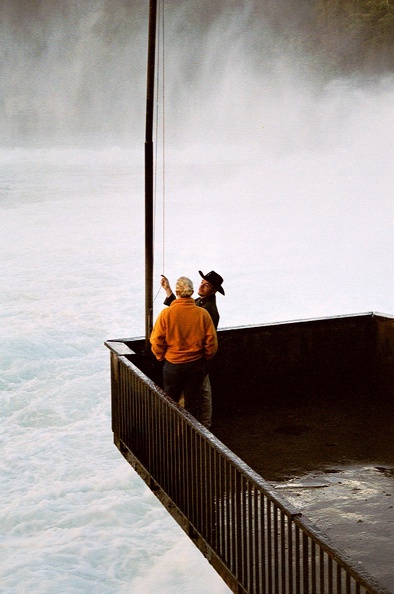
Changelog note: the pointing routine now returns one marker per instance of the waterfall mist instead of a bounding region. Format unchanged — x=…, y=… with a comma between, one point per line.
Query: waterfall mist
x=234, y=72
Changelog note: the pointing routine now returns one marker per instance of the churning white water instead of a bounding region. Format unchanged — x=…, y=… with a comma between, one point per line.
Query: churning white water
x=74, y=516
x=289, y=196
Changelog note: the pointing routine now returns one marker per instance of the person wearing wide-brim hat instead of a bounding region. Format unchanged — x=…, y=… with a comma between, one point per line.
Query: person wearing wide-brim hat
x=211, y=284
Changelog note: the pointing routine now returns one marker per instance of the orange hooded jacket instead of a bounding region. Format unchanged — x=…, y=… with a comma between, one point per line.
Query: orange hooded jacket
x=183, y=332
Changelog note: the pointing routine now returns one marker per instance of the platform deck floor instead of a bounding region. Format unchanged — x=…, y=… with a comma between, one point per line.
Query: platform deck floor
x=334, y=462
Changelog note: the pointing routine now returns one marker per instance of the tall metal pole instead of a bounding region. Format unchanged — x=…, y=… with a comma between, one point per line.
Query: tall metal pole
x=149, y=174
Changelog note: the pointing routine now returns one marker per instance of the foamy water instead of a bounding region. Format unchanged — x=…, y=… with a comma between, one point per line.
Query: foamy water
x=74, y=515
x=298, y=233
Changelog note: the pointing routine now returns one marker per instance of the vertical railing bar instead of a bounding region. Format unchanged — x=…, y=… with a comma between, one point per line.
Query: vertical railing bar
x=131, y=405
x=136, y=413
x=339, y=579
x=213, y=498
x=194, y=481
x=171, y=437
x=159, y=436
x=264, y=546
x=329, y=576
x=260, y=541
x=167, y=446
x=236, y=520
x=200, y=486
x=252, y=496
x=205, y=492
x=208, y=492
x=211, y=480
x=140, y=420
x=276, y=549
x=269, y=544
x=217, y=499
x=290, y=557
x=305, y=563
x=124, y=405
x=192, y=453
x=203, y=489
x=120, y=402
x=197, y=483
x=200, y=483
x=227, y=536
x=223, y=506
x=245, y=533
x=185, y=474
x=239, y=527
x=181, y=462
x=151, y=431
x=242, y=541
x=297, y=561
x=250, y=535
x=283, y=565
x=322, y=572
x=230, y=527
x=199, y=466
x=175, y=451
x=220, y=503
x=247, y=520
x=143, y=434
x=164, y=449
x=187, y=477
x=234, y=512
x=313, y=566
x=348, y=584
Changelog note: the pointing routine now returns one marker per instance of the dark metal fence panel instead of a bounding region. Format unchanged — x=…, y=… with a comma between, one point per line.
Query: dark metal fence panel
x=258, y=542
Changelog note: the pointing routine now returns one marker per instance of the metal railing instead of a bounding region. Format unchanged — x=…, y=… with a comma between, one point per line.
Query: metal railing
x=257, y=541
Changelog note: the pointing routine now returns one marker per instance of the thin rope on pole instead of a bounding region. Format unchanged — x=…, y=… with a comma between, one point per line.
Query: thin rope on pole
x=160, y=130
x=164, y=141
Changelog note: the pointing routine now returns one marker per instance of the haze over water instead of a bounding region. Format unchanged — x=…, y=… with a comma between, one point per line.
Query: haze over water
x=282, y=185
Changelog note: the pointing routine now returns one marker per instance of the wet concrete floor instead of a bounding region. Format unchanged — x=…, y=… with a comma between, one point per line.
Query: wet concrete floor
x=334, y=462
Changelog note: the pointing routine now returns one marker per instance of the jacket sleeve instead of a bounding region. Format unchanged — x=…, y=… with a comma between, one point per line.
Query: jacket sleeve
x=169, y=300
x=158, y=338
x=211, y=341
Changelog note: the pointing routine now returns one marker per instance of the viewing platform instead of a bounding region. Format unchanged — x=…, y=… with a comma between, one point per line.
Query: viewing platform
x=292, y=490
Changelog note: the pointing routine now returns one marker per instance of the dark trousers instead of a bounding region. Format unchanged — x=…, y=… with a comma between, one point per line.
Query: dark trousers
x=187, y=378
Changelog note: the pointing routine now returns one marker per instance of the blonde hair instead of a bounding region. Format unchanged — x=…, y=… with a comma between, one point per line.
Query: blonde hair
x=184, y=287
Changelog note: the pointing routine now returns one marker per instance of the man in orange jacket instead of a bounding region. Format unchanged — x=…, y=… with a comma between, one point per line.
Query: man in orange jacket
x=185, y=338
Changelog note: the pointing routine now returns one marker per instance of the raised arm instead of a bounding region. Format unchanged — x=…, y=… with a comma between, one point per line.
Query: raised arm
x=169, y=293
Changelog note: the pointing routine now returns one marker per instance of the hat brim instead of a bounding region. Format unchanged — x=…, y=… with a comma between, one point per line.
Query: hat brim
x=217, y=287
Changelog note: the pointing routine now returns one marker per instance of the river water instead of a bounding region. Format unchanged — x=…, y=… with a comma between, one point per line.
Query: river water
x=297, y=231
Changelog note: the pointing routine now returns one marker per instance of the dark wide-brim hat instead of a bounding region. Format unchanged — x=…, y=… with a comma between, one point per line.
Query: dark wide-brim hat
x=214, y=279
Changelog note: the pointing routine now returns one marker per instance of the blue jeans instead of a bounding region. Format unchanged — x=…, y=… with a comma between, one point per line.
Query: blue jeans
x=187, y=378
